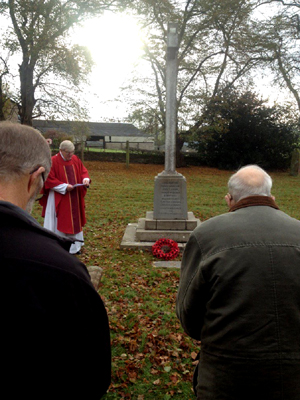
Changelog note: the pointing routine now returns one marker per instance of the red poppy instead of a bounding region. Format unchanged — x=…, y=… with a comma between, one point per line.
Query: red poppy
x=166, y=249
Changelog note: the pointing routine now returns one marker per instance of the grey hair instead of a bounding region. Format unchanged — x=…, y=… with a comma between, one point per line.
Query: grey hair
x=249, y=181
x=22, y=149
x=67, y=145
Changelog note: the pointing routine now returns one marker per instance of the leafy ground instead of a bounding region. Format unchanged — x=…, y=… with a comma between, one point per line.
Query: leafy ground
x=152, y=357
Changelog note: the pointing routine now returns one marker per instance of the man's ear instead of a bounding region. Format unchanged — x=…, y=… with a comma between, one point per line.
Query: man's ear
x=34, y=177
x=228, y=199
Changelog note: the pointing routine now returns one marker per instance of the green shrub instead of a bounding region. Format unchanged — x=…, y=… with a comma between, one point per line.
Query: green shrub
x=239, y=129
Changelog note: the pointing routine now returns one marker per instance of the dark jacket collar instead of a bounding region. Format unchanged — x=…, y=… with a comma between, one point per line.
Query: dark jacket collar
x=15, y=211
x=252, y=201
x=12, y=211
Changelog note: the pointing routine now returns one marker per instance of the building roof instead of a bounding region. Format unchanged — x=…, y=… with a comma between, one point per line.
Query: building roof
x=96, y=128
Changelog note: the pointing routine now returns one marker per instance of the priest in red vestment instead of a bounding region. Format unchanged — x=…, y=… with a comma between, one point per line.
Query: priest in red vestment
x=64, y=191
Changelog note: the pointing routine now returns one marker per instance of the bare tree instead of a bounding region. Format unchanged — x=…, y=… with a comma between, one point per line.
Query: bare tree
x=279, y=44
x=3, y=97
x=39, y=32
x=214, y=39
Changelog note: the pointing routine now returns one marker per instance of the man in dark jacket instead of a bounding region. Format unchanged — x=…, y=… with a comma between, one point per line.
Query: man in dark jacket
x=239, y=294
x=55, y=332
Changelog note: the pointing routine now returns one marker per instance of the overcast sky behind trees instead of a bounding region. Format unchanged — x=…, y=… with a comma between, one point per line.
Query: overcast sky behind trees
x=117, y=51
x=115, y=42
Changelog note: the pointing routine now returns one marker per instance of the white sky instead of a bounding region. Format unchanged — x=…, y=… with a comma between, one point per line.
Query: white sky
x=115, y=42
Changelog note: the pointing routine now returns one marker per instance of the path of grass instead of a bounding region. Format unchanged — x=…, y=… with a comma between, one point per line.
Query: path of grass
x=152, y=357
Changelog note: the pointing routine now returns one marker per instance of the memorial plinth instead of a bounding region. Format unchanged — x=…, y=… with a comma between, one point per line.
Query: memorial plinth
x=150, y=229
x=170, y=199
x=169, y=219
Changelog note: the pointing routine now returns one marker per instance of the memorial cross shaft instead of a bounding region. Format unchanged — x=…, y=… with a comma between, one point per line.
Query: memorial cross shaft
x=171, y=100
x=170, y=187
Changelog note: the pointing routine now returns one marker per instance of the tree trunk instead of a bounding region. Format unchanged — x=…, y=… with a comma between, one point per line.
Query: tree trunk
x=180, y=161
x=2, y=101
x=27, y=94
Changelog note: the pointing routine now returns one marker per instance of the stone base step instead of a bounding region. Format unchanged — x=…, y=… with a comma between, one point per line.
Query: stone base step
x=173, y=225
x=147, y=235
x=147, y=231
x=129, y=240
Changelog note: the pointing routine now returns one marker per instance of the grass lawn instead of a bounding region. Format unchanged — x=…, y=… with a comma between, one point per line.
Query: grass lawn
x=152, y=357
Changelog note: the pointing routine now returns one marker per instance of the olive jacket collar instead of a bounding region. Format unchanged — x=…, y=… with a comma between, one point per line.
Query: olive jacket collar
x=254, y=201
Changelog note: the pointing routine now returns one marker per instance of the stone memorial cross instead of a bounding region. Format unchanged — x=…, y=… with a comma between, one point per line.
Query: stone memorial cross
x=170, y=200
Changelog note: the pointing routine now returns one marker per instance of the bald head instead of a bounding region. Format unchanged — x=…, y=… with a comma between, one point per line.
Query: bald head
x=249, y=181
x=25, y=162
x=22, y=149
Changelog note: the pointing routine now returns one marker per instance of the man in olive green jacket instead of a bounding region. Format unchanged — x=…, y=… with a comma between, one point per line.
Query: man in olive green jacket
x=239, y=294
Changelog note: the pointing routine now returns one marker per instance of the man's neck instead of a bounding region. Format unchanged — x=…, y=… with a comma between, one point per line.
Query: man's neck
x=14, y=198
x=14, y=192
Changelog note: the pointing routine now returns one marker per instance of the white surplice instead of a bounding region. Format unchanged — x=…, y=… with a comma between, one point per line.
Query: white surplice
x=50, y=221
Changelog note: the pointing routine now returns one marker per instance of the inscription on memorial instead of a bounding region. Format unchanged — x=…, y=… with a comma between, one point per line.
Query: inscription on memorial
x=170, y=198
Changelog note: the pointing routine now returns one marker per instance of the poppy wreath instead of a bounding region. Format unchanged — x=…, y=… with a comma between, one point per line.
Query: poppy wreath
x=166, y=249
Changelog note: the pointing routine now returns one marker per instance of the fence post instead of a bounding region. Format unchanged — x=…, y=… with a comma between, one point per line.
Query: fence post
x=127, y=153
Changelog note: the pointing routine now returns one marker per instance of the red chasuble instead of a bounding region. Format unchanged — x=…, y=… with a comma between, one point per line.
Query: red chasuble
x=70, y=208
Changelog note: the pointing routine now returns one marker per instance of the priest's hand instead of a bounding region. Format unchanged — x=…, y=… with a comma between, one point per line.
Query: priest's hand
x=86, y=182
x=69, y=188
